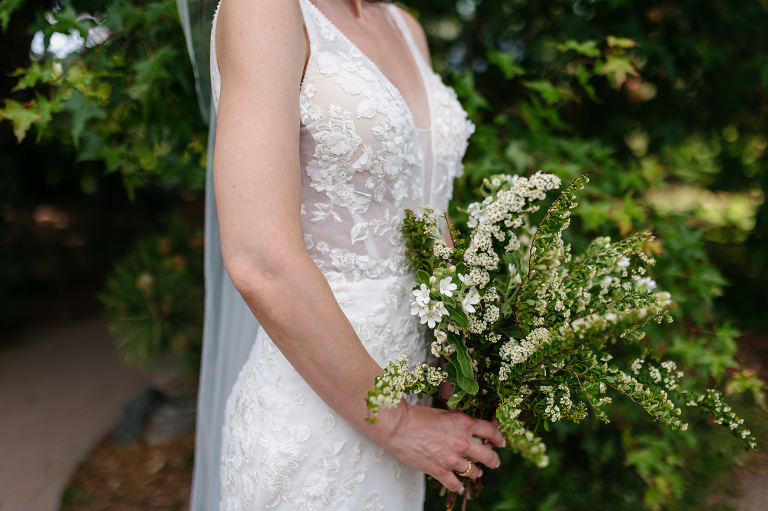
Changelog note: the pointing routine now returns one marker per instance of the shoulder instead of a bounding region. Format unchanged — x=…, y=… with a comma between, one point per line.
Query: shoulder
x=258, y=32
x=417, y=31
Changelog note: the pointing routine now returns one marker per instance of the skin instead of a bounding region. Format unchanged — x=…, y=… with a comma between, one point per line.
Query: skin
x=262, y=51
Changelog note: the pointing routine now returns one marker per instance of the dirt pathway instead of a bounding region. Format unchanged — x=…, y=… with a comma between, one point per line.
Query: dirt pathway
x=61, y=390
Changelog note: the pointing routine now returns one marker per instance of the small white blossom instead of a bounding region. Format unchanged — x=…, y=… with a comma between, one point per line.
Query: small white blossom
x=646, y=283
x=419, y=308
x=422, y=294
x=447, y=287
x=465, y=279
x=434, y=315
x=472, y=299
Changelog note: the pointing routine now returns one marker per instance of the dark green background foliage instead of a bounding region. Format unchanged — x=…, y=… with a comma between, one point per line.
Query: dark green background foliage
x=153, y=296
x=664, y=103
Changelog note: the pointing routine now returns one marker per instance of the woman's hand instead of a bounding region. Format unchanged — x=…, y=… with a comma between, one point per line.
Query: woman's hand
x=439, y=442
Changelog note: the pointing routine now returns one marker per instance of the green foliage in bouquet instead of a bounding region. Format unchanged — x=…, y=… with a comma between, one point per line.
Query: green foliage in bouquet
x=154, y=297
x=528, y=330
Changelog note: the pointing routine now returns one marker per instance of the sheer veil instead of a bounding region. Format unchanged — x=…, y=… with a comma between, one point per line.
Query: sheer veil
x=230, y=328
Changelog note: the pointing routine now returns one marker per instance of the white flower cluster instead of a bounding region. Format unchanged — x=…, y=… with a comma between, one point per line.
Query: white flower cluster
x=430, y=221
x=528, y=444
x=724, y=415
x=477, y=324
x=505, y=208
x=552, y=410
x=441, y=250
x=440, y=346
x=633, y=387
x=432, y=311
x=398, y=378
x=516, y=352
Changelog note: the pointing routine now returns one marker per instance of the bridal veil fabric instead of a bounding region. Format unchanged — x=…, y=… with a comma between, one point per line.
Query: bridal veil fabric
x=230, y=327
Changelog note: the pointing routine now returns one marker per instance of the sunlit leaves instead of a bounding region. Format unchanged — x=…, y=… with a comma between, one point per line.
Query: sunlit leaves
x=618, y=68
x=587, y=48
x=506, y=62
x=122, y=98
x=21, y=116
x=620, y=42
x=548, y=92
x=6, y=9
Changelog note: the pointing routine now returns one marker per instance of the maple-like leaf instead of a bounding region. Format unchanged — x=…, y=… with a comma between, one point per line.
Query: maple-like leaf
x=618, y=68
x=22, y=117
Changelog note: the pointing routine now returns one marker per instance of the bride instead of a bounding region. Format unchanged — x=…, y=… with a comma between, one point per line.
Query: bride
x=330, y=123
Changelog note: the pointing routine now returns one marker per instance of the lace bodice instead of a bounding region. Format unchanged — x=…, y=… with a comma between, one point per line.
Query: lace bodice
x=363, y=160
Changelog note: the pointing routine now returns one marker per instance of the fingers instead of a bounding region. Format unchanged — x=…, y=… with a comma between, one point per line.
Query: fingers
x=483, y=454
x=489, y=431
x=440, y=443
x=449, y=480
x=463, y=465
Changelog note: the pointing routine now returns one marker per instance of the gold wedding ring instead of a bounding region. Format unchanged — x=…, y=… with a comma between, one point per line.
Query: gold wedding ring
x=468, y=471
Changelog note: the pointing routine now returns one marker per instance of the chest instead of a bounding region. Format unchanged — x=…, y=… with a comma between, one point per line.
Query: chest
x=358, y=128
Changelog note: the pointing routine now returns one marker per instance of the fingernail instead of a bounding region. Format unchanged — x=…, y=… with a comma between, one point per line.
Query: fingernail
x=479, y=473
x=498, y=464
x=503, y=442
x=461, y=490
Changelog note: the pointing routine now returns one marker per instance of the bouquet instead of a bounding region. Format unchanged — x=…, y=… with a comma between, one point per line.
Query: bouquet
x=527, y=330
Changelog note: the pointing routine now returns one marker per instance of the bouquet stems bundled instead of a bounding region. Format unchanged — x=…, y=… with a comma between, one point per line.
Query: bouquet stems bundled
x=527, y=330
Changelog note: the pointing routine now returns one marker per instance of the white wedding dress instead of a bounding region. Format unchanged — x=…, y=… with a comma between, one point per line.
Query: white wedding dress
x=363, y=161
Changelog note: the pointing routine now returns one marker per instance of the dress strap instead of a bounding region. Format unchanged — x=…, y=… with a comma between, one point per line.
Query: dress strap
x=318, y=27
x=394, y=10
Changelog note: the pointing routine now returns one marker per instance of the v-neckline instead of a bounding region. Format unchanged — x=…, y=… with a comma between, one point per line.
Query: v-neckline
x=384, y=77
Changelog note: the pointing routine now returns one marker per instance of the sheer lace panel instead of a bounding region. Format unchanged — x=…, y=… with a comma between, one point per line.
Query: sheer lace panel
x=363, y=160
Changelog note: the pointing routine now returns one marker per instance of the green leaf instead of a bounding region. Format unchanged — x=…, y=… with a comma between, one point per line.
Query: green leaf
x=620, y=42
x=470, y=386
x=548, y=92
x=456, y=377
x=457, y=316
x=83, y=110
x=465, y=88
x=450, y=368
x=6, y=9
x=22, y=118
x=506, y=62
x=455, y=398
x=587, y=48
x=462, y=355
x=422, y=277
x=617, y=68
x=46, y=109
x=35, y=73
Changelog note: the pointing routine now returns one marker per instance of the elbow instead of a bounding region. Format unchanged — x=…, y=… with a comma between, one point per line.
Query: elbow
x=258, y=276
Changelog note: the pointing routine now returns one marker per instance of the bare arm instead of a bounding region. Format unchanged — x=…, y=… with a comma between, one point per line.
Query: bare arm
x=261, y=50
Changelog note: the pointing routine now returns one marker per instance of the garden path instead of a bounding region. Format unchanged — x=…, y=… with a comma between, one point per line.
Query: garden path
x=61, y=391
